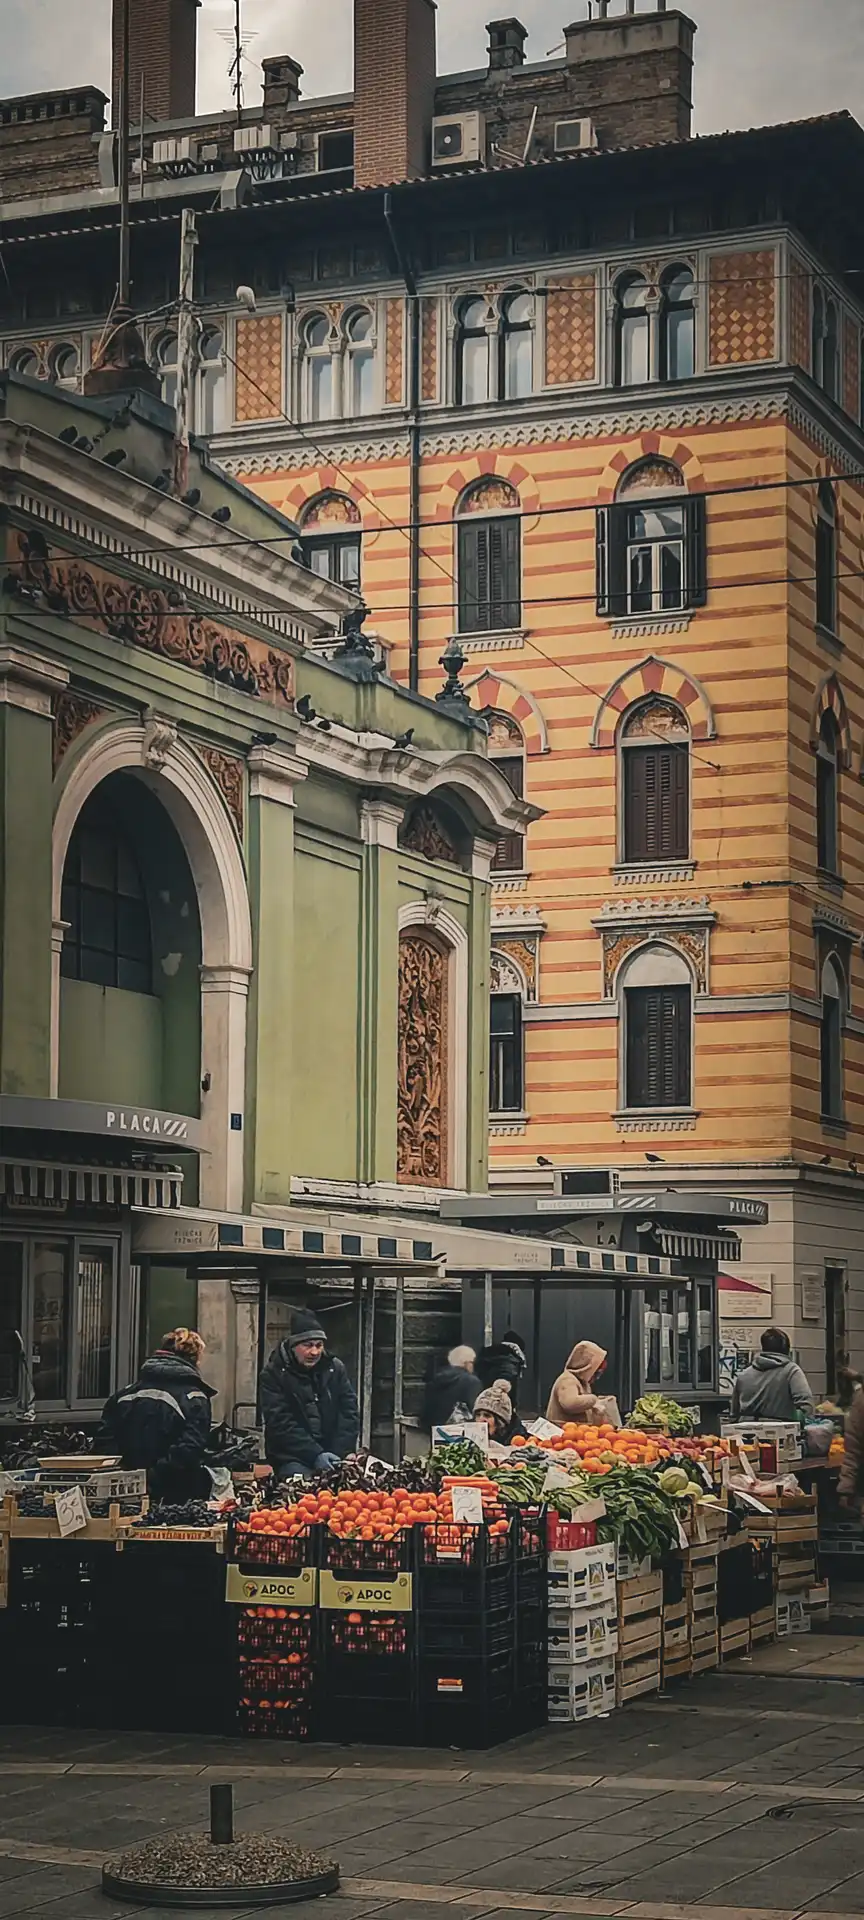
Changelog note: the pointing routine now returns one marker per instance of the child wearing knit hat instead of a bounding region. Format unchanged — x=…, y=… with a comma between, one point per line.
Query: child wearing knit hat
x=495, y=1408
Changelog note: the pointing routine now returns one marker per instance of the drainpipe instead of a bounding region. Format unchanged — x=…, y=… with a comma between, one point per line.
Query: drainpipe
x=413, y=444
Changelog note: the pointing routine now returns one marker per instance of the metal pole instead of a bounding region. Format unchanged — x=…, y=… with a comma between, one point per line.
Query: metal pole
x=487, y=1309
x=141, y=140
x=368, y=1360
x=222, y=1816
x=185, y=348
x=398, y=1363
x=124, y=291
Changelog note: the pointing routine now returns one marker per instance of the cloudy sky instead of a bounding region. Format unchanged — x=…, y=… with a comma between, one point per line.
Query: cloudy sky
x=758, y=60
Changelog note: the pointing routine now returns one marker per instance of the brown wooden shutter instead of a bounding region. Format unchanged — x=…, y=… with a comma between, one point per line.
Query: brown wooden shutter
x=612, y=561
x=509, y=855
x=469, y=576
x=658, y=1047
x=656, y=803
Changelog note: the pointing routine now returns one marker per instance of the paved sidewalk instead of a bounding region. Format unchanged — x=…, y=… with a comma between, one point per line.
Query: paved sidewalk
x=740, y=1797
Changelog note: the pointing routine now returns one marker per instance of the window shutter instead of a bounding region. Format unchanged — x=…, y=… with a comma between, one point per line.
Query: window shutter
x=510, y=576
x=658, y=1047
x=677, y=1016
x=509, y=855
x=469, y=575
x=636, y=770
x=696, y=582
x=680, y=804
x=671, y=767
x=603, y=531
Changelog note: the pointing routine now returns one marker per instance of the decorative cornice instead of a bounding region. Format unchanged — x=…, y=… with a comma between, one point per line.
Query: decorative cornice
x=517, y=920
x=509, y=641
x=654, y=913
x=30, y=681
x=659, y=1122
x=507, y=1129
x=651, y=876
x=648, y=624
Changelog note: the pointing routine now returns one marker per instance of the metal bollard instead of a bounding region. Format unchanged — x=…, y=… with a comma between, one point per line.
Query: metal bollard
x=221, y=1816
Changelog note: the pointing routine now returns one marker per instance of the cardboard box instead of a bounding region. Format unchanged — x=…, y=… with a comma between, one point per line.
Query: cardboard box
x=587, y=1691
x=792, y=1615
x=583, y=1578
x=584, y=1633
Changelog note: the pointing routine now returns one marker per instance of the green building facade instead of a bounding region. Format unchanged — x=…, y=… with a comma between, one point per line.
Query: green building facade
x=244, y=897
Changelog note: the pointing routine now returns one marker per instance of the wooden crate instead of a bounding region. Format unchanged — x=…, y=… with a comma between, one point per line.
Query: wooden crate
x=734, y=1638
x=637, y=1675
x=23, y=1526
x=706, y=1655
x=640, y=1614
x=762, y=1625
x=677, y=1666
x=171, y=1536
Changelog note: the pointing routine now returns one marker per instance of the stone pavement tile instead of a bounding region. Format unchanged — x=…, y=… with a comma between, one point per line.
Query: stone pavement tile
x=31, y=1892
x=525, y=1874
x=585, y=1843
x=846, y=1896
x=805, y=1873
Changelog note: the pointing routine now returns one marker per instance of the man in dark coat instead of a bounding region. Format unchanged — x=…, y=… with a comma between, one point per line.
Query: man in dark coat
x=504, y=1360
x=162, y=1421
x=311, y=1416
x=451, y=1390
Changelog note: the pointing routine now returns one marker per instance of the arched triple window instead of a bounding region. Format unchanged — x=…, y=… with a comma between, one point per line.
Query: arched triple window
x=331, y=539
x=826, y=557
x=25, y=360
x=655, y=328
x=826, y=342
x=657, y=992
x=655, y=784
x=489, y=559
x=494, y=348
x=828, y=795
x=833, y=986
x=651, y=545
x=65, y=366
x=339, y=373
x=105, y=907
x=507, y=751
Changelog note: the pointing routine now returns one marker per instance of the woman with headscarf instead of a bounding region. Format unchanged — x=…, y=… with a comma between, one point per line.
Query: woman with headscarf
x=573, y=1396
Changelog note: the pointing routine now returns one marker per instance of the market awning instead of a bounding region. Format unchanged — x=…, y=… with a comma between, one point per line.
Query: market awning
x=700, y=1246
x=398, y=1244
x=37, y=1183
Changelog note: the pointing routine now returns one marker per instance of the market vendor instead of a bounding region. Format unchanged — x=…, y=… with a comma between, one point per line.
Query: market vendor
x=774, y=1387
x=162, y=1421
x=573, y=1396
x=311, y=1415
x=495, y=1408
x=505, y=1360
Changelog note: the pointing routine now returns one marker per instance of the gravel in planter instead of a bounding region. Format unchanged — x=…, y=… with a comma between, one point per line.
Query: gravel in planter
x=191, y=1860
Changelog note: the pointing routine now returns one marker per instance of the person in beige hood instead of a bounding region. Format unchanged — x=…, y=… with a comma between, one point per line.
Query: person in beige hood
x=572, y=1397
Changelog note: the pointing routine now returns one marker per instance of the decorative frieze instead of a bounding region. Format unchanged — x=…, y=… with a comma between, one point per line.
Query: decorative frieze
x=421, y=1157
x=743, y=308
x=229, y=777
x=626, y=925
x=423, y=832
x=260, y=367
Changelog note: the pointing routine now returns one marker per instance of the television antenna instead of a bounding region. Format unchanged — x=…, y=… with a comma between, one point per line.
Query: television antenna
x=238, y=41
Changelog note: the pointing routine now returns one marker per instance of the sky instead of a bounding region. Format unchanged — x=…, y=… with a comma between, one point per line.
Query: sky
x=757, y=60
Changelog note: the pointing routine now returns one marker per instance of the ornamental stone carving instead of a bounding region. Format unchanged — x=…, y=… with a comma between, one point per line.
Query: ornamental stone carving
x=144, y=616
x=421, y=1155
x=515, y=960
x=72, y=713
x=626, y=925
x=424, y=833
x=228, y=775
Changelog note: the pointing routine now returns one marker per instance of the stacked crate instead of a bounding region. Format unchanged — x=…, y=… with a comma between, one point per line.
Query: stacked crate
x=277, y=1640
x=734, y=1583
x=583, y=1633
x=702, y=1606
x=481, y=1627
x=640, y=1636
x=677, y=1661
x=791, y=1529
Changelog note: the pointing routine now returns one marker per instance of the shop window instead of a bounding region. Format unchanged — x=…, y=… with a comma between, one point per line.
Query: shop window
x=58, y=1315
x=826, y=342
x=826, y=557
x=506, y=1073
x=489, y=555
x=651, y=546
x=831, y=1040
x=655, y=784
x=104, y=905
x=677, y=325
x=827, y=795
x=678, y=1338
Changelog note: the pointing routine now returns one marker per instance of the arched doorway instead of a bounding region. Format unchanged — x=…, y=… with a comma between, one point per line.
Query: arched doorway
x=130, y=986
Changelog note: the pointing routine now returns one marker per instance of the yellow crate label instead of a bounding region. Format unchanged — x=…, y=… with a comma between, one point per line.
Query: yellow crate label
x=341, y=1592
x=271, y=1589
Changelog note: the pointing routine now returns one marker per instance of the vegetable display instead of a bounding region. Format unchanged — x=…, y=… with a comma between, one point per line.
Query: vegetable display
x=657, y=1410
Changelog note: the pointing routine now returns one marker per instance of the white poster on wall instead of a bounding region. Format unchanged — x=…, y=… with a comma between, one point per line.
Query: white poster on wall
x=813, y=1296
x=745, y=1295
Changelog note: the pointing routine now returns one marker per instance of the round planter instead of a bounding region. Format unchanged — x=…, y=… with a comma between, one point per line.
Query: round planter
x=141, y=1894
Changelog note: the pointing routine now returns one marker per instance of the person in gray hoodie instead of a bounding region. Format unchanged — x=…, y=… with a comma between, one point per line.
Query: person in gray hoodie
x=774, y=1387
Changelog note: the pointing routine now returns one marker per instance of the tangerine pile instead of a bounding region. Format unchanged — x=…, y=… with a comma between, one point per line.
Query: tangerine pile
x=602, y=1448
x=355, y=1514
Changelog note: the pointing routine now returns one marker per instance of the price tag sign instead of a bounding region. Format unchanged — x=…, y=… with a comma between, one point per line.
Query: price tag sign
x=682, y=1537
x=72, y=1512
x=746, y=1468
x=543, y=1429
x=555, y=1477
x=468, y=1505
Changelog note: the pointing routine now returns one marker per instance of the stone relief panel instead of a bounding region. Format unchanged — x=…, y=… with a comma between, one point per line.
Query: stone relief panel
x=421, y=1155
x=571, y=331
x=260, y=361
x=72, y=713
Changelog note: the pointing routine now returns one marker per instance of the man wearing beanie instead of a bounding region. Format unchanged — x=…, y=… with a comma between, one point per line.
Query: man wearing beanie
x=311, y=1416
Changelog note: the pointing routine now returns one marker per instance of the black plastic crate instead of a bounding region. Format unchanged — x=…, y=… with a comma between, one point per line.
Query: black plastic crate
x=361, y=1557
x=466, y=1678
x=276, y=1629
x=271, y=1552
x=274, y=1722
x=393, y=1723
x=449, y=1585
x=531, y=1538
x=485, y=1634
x=370, y=1677
x=274, y=1681
x=531, y=1585
x=367, y=1633
x=474, y=1548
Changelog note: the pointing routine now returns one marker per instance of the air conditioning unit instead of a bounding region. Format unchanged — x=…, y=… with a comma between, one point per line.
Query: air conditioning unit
x=174, y=152
x=289, y=141
x=575, y=136
x=253, y=139
x=458, y=139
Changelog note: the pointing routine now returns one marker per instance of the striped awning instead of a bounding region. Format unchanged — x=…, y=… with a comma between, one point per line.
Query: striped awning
x=336, y=1238
x=35, y=1183
x=700, y=1246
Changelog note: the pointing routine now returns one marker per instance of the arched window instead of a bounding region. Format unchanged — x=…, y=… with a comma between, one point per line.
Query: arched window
x=489, y=561
x=655, y=784
x=25, y=360
x=165, y=364
x=657, y=992
x=66, y=366
x=319, y=371
x=362, y=393
x=826, y=342
x=473, y=353
x=828, y=795
x=677, y=325
x=210, y=397
x=632, y=331
x=826, y=557
x=506, y=1035
x=507, y=750
x=651, y=545
x=516, y=373
x=104, y=904
x=831, y=1038
x=331, y=539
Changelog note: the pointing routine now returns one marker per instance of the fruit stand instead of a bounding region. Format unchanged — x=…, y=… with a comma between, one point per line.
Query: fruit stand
x=453, y=1601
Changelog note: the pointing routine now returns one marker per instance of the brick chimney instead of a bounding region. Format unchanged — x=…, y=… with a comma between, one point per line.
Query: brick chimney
x=633, y=74
x=394, y=89
x=506, y=44
x=282, y=77
x=164, y=48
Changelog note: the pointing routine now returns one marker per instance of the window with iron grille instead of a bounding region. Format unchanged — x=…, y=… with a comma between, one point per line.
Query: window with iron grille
x=658, y=1046
x=506, y=1073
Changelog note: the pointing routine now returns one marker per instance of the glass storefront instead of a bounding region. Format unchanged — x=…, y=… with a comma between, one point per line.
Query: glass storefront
x=58, y=1319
